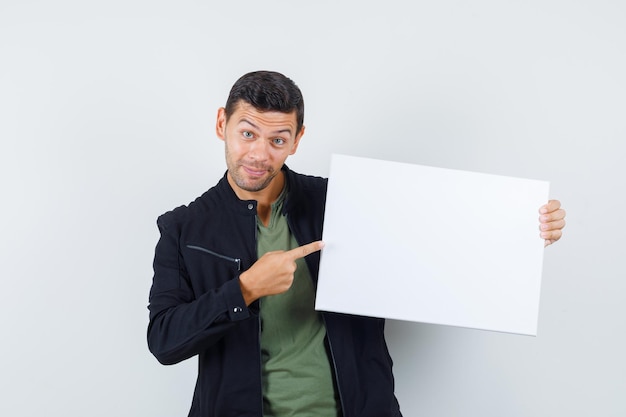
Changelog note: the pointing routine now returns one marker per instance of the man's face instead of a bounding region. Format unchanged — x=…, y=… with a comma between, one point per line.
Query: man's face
x=257, y=145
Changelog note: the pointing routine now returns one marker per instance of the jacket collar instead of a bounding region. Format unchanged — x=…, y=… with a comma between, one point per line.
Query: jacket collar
x=248, y=207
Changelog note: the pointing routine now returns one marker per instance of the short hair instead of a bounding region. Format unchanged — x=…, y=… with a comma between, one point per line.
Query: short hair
x=267, y=91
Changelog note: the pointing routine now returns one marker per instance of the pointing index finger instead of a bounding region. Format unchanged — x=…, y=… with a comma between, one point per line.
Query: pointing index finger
x=305, y=250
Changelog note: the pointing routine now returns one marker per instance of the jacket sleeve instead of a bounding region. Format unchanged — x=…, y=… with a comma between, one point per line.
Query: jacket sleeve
x=181, y=324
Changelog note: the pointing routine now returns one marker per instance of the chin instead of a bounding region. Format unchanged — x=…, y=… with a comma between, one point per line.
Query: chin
x=254, y=185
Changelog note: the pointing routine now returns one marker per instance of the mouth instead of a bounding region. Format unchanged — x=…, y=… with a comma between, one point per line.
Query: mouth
x=254, y=172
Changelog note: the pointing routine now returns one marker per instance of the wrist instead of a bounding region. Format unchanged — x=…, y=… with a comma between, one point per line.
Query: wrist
x=248, y=294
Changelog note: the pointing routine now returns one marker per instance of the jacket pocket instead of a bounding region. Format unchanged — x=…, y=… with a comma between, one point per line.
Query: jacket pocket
x=235, y=261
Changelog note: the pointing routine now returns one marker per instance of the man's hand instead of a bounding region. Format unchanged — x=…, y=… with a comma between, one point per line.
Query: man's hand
x=552, y=221
x=273, y=272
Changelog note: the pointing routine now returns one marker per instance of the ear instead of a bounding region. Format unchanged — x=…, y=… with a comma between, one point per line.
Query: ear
x=296, y=142
x=220, y=124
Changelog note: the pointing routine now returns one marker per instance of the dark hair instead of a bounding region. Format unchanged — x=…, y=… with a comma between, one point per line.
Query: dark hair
x=267, y=91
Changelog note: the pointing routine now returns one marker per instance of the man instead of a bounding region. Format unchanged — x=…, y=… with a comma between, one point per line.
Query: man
x=235, y=273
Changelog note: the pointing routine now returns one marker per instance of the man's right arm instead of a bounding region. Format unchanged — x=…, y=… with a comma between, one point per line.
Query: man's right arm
x=181, y=324
x=273, y=273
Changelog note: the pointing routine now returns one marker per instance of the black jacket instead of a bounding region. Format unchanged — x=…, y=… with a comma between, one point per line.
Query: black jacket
x=196, y=306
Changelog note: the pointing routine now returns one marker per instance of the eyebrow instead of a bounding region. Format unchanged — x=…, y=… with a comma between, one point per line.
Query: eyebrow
x=244, y=120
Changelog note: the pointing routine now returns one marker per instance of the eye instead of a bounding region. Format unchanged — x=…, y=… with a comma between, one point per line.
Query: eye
x=247, y=134
x=279, y=141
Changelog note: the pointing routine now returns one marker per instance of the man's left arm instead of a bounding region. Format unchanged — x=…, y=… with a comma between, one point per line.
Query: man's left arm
x=551, y=221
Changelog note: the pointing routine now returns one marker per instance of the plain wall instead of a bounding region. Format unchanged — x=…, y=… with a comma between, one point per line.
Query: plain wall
x=107, y=114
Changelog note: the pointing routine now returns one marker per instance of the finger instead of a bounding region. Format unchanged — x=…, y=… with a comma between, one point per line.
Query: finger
x=551, y=236
x=548, y=242
x=551, y=206
x=553, y=216
x=555, y=225
x=305, y=250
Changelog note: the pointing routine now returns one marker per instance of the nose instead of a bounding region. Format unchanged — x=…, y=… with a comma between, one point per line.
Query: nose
x=259, y=150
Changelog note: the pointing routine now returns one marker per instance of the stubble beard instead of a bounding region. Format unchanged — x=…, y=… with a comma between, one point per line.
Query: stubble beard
x=237, y=173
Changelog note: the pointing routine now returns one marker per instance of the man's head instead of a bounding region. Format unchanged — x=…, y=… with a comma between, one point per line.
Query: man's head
x=261, y=125
x=267, y=91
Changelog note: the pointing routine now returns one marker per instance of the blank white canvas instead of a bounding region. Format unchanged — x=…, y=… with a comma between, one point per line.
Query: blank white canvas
x=432, y=245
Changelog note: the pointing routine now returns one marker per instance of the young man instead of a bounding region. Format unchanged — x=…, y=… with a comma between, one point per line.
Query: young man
x=235, y=275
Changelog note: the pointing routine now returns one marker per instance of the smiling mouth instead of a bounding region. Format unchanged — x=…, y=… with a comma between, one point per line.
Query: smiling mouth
x=254, y=172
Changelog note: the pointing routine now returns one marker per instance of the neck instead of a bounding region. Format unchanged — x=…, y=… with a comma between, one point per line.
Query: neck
x=264, y=197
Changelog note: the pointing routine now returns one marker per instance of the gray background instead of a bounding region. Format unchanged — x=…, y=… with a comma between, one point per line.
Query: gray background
x=107, y=120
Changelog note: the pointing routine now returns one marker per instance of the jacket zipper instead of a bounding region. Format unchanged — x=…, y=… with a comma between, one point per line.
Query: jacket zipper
x=237, y=261
x=330, y=345
x=332, y=360
x=260, y=364
x=256, y=244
